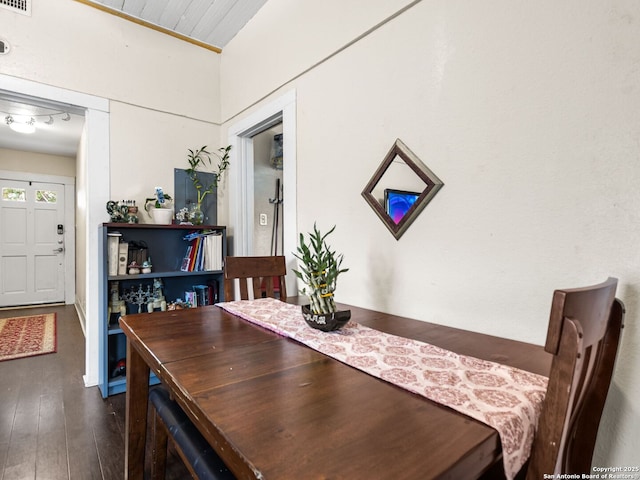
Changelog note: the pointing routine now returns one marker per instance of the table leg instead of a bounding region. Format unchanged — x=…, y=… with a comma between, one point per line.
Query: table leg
x=136, y=414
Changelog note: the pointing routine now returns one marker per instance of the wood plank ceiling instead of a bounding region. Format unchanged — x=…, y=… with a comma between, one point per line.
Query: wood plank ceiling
x=208, y=23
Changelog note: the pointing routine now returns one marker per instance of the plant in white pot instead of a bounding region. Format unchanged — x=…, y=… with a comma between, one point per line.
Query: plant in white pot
x=319, y=268
x=198, y=160
x=159, y=207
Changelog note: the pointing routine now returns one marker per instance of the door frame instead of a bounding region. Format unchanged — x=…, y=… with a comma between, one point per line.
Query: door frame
x=93, y=168
x=69, y=185
x=281, y=110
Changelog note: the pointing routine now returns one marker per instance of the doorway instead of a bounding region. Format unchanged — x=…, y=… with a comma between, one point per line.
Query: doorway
x=38, y=151
x=268, y=187
x=34, y=222
x=282, y=111
x=92, y=192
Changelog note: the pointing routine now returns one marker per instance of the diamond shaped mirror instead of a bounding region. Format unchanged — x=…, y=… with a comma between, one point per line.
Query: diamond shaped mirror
x=400, y=188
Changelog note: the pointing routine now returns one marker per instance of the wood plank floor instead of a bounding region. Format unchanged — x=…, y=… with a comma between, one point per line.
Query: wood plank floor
x=51, y=426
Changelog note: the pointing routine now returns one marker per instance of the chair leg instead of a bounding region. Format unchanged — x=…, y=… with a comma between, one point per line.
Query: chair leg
x=159, y=445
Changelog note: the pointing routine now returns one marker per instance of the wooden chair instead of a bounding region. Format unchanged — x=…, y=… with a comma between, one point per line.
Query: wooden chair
x=583, y=337
x=266, y=275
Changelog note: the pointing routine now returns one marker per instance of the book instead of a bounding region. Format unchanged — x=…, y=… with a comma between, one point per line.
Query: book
x=123, y=256
x=113, y=239
x=186, y=259
x=206, y=251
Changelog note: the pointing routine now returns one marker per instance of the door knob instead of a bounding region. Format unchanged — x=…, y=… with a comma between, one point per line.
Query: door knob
x=58, y=250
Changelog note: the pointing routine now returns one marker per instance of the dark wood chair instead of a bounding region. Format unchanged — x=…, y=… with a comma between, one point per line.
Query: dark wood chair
x=265, y=275
x=170, y=421
x=583, y=336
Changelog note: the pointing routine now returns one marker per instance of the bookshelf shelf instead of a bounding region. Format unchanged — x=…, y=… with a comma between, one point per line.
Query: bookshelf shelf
x=166, y=246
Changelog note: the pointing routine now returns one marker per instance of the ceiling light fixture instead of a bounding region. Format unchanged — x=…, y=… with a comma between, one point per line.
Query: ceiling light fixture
x=29, y=126
x=21, y=127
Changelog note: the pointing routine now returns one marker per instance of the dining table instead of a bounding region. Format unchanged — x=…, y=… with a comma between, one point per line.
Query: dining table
x=273, y=408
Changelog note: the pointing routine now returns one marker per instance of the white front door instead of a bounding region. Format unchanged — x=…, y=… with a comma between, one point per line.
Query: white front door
x=31, y=243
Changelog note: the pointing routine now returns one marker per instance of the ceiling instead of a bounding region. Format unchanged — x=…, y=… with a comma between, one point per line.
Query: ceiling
x=58, y=127
x=213, y=23
x=208, y=23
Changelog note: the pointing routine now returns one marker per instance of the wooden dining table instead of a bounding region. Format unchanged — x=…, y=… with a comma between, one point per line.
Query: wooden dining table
x=273, y=408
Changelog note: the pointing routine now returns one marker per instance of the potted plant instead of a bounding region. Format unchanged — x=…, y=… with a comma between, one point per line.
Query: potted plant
x=159, y=207
x=320, y=267
x=198, y=160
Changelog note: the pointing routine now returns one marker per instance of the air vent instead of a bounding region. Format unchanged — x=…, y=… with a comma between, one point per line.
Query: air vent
x=19, y=6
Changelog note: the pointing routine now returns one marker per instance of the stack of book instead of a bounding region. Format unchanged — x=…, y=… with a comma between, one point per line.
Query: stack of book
x=204, y=252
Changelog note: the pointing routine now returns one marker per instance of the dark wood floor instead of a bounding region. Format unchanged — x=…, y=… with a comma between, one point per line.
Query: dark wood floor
x=51, y=426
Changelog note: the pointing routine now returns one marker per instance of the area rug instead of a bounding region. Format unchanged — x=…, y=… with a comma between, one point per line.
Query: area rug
x=27, y=336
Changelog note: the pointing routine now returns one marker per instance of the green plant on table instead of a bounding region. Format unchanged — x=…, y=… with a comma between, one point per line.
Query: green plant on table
x=319, y=269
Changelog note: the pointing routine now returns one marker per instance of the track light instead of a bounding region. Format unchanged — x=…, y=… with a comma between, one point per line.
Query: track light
x=21, y=127
x=29, y=126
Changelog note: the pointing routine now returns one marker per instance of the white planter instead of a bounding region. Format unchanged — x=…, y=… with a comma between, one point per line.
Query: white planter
x=162, y=216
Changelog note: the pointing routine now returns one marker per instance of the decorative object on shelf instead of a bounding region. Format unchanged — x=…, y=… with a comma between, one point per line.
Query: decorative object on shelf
x=119, y=368
x=116, y=304
x=190, y=299
x=132, y=213
x=117, y=213
x=137, y=251
x=133, y=268
x=138, y=297
x=198, y=159
x=177, y=305
x=400, y=188
x=159, y=207
x=183, y=216
x=146, y=266
x=319, y=271
x=157, y=300
x=122, y=212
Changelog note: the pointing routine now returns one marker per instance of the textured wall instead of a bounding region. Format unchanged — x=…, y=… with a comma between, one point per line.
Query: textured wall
x=529, y=114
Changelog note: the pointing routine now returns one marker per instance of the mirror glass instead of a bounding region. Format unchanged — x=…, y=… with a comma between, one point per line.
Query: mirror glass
x=400, y=188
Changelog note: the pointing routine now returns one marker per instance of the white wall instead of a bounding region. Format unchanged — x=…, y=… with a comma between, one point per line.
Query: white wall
x=162, y=98
x=529, y=114
x=20, y=161
x=146, y=146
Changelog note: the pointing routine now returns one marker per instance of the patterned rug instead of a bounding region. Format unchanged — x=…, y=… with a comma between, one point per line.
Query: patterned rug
x=27, y=336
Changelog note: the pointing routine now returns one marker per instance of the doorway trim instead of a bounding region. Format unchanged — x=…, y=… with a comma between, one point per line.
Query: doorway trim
x=69, y=220
x=92, y=193
x=281, y=110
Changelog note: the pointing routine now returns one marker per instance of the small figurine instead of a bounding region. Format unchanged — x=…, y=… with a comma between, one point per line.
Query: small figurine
x=117, y=213
x=157, y=299
x=146, y=266
x=134, y=268
x=132, y=213
x=115, y=303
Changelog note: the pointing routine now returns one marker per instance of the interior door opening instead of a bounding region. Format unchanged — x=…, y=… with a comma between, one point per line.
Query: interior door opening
x=268, y=187
x=282, y=110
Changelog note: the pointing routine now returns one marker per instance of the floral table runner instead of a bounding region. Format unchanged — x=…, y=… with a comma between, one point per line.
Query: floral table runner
x=505, y=398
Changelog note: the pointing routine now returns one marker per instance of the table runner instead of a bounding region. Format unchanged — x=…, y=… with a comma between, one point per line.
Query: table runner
x=505, y=398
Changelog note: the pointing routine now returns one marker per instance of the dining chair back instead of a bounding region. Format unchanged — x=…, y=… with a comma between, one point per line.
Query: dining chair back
x=583, y=336
x=264, y=275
